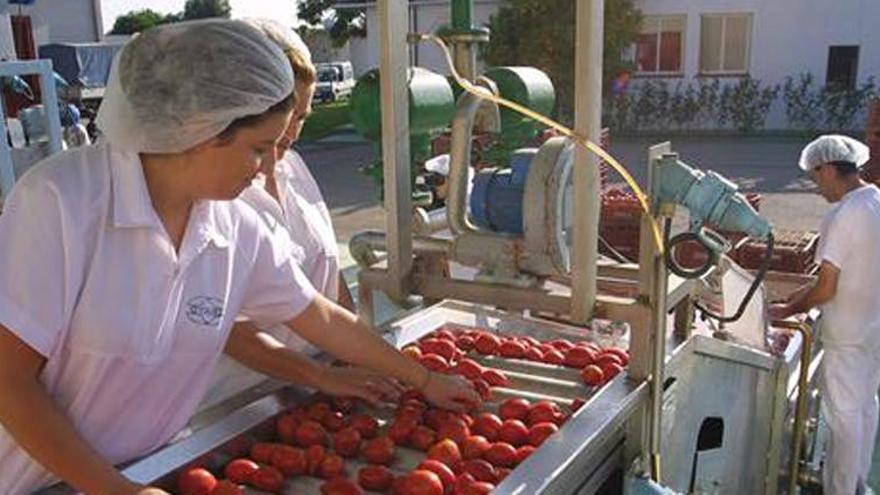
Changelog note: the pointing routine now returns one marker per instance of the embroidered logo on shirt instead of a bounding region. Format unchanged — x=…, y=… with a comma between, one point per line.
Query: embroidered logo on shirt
x=204, y=310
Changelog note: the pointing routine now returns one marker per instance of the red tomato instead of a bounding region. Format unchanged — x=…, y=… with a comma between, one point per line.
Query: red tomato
x=495, y=378
x=444, y=348
x=464, y=342
x=592, y=375
x=447, y=452
x=554, y=357
x=474, y=447
x=290, y=461
x=286, y=427
x=268, y=479
x=611, y=370
x=486, y=343
x=226, y=487
x=454, y=429
x=375, y=478
x=487, y=425
x=444, y=334
x=434, y=362
x=314, y=455
x=420, y=482
x=578, y=403
x=502, y=473
x=331, y=466
x=347, y=442
x=196, y=481
x=540, y=431
x=468, y=368
x=545, y=410
x=606, y=359
x=534, y=354
x=462, y=481
x=412, y=394
x=340, y=486
x=334, y=421
x=516, y=408
x=240, y=470
x=501, y=454
x=318, y=410
x=512, y=349
x=310, y=433
x=435, y=418
x=578, y=357
x=561, y=344
x=441, y=470
x=514, y=432
x=524, y=452
x=480, y=488
x=422, y=438
x=379, y=451
x=367, y=426
x=400, y=431
x=483, y=388
x=621, y=353
x=480, y=469
x=261, y=452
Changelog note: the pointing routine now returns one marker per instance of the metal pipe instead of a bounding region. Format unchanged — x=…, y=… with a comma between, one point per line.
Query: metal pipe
x=395, y=151
x=588, y=122
x=460, y=160
x=363, y=246
x=428, y=222
x=800, y=415
x=462, y=14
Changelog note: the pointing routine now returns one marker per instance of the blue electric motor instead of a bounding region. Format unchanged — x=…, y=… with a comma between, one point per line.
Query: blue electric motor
x=496, y=201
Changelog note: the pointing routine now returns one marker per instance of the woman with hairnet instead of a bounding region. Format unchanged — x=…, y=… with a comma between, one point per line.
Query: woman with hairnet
x=126, y=263
x=286, y=194
x=847, y=291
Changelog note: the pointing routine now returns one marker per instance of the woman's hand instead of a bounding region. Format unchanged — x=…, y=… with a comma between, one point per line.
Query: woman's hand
x=354, y=381
x=450, y=392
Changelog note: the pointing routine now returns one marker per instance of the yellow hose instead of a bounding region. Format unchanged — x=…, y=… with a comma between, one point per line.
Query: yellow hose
x=581, y=140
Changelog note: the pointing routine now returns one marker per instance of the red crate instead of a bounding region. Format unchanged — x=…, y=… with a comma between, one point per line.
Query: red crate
x=793, y=252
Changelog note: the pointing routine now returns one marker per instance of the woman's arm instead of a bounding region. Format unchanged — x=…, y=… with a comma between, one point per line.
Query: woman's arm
x=262, y=352
x=340, y=333
x=38, y=425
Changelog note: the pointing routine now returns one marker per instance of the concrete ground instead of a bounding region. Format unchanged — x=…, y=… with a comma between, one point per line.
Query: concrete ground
x=764, y=165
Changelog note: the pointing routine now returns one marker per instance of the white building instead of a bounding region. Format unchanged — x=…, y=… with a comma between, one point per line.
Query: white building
x=58, y=21
x=690, y=40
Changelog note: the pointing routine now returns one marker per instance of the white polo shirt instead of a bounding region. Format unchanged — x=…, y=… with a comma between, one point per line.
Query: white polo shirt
x=302, y=211
x=850, y=236
x=130, y=329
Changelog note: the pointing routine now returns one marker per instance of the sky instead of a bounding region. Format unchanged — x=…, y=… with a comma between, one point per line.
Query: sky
x=280, y=10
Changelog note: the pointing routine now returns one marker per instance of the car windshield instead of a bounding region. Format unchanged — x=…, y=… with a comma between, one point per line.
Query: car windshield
x=327, y=75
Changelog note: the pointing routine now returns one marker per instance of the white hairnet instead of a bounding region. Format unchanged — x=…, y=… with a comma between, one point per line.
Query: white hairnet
x=282, y=35
x=833, y=148
x=177, y=85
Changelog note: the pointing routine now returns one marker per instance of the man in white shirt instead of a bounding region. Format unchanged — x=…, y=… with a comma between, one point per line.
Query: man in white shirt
x=847, y=292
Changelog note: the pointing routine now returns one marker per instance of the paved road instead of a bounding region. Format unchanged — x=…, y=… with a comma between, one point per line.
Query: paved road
x=765, y=165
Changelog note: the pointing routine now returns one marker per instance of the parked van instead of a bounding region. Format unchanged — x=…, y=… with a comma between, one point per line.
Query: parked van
x=335, y=81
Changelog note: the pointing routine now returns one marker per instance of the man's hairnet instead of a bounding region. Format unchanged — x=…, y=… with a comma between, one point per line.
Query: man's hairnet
x=282, y=35
x=833, y=148
x=177, y=85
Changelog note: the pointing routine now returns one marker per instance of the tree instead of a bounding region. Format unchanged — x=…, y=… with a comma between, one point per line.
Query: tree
x=137, y=21
x=201, y=9
x=540, y=33
x=341, y=24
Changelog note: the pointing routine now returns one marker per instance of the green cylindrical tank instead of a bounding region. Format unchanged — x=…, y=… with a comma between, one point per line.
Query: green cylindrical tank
x=431, y=104
x=527, y=86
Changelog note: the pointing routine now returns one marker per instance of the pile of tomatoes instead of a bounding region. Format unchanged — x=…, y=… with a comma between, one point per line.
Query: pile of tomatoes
x=464, y=453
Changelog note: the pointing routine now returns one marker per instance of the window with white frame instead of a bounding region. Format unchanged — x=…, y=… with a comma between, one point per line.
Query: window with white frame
x=660, y=46
x=725, y=43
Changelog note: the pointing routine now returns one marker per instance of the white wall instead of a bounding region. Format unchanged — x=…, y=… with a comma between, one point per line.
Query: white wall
x=789, y=37
x=60, y=20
